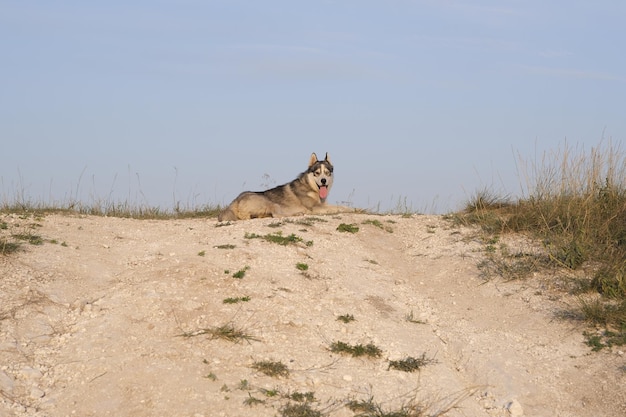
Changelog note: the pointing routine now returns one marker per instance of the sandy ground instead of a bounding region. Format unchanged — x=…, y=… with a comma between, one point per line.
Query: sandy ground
x=91, y=322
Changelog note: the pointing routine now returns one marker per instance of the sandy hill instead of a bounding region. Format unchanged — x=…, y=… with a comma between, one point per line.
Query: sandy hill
x=121, y=317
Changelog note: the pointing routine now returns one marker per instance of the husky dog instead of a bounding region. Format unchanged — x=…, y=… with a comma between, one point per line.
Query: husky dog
x=305, y=195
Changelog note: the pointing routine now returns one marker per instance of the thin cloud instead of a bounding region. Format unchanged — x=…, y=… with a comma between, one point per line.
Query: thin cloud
x=296, y=62
x=555, y=54
x=478, y=10
x=469, y=43
x=572, y=73
x=276, y=48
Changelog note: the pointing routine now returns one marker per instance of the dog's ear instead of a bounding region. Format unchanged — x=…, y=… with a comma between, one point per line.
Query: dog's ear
x=313, y=160
x=327, y=159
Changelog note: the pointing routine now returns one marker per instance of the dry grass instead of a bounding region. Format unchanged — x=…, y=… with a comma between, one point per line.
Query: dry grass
x=226, y=332
x=574, y=203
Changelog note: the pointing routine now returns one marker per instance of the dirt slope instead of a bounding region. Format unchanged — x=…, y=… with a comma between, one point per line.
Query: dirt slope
x=91, y=322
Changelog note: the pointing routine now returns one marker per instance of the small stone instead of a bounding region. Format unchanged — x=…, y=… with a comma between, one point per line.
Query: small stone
x=347, y=378
x=30, y=374
x=515, y=408
x=6, y=383
x=36, y=393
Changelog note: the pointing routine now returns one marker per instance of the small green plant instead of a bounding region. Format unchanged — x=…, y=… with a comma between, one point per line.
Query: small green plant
x=410, y=317
x=348, y=228
x=226, y=332
x=271, y=368
x=250, y=401
x=235, y=300
x=512, y=266
x=611, y=281
x=346, y=318
x=594, y=341
x=270, y=393
x=364, y=407
x=278, y=238
x=302, y=266
x=411, y=364
x=370, y=350
x=201, y=253
x=369, y=408
x=241, y=273
x=30, y=238
x=211, y=376
x=307, y=221
x=302, y=397
x=299, y=410
x=378, y=224
x=226, y=246
x=609, y=315
x=7, y=248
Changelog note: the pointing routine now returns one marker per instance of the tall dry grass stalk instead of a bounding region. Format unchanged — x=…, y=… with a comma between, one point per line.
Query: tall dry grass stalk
x=573, y=171
x=574, y=201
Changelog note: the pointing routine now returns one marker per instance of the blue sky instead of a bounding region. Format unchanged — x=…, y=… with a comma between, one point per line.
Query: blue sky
x=423, y=102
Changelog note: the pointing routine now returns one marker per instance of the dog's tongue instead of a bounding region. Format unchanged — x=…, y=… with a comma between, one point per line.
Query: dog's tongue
x=323, y=192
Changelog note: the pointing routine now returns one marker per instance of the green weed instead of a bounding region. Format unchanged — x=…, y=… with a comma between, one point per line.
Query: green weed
x=241, y=273
x=368, y=408
x=7, y=247
x=307, y=221
x=28, y=237
x=411, y=364
x=271, y=368
x=226, y=332
x=235, y=300
x=278, y=238
x=299, y=410
x=348, y=228
x=410, y=317
x=378, y=224
x=226, y=246
x=250, y=401
x=302, y=397
x=346, y=318
x=369, y=350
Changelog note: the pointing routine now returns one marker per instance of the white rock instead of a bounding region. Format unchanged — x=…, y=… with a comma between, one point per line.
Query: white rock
x=36, y=393
x=6, y=383
x=30, y=374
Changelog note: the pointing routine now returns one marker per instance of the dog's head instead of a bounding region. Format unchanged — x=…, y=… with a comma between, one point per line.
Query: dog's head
x=320, y=175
